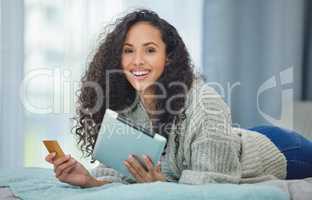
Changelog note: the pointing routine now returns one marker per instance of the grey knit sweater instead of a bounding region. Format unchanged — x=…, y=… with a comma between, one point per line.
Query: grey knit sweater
x=210, y=150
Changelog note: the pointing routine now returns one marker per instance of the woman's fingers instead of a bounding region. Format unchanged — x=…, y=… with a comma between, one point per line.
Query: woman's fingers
x=49, y=157
x=140, y=174
x=158, y=167
x=60, y=161
x=133, y=172
x=63, y=168
x=136, y=166
x=149, y=163
x=69, y=169
x=66, y=169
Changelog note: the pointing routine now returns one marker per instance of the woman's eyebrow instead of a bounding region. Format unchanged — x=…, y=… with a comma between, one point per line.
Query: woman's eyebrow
x=148, y=43
x=127, y=44
x=145, y=44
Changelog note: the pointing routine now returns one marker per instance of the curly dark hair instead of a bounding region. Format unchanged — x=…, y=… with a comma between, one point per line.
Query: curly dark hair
x=119, y=92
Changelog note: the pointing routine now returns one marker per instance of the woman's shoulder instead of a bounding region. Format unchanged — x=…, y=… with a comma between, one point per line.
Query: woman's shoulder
x=203, y=98
x=206, y=110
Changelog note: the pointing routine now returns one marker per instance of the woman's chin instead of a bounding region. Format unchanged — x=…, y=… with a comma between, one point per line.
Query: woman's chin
x=140, y=87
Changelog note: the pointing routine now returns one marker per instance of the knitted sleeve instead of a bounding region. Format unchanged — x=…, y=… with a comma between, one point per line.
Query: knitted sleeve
x=214, y=149
x=102, y=172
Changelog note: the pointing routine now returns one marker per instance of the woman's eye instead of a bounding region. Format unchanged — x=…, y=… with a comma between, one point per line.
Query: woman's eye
x=128, y=51
x=151, y=50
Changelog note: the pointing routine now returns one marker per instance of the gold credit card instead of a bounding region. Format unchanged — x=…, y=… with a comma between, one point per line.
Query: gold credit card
x=53, y=146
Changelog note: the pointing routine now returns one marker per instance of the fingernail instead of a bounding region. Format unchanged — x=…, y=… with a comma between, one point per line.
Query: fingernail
x=130, y=156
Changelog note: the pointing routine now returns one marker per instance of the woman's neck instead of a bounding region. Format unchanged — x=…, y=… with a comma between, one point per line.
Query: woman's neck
x=148, y=99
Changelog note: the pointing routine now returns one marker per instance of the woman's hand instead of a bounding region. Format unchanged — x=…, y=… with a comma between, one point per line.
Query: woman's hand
x=140, y=174
x=68, y=170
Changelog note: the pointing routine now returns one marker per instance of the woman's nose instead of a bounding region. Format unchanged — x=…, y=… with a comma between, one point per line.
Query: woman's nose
x=138, y=59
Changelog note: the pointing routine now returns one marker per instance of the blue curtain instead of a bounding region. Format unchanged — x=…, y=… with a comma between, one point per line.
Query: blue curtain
x=257, y=49
x=11, y=75
x=307, y=59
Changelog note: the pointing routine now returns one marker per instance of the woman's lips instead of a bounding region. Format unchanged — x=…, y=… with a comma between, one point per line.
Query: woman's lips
x=140, y=74
x=140, y=77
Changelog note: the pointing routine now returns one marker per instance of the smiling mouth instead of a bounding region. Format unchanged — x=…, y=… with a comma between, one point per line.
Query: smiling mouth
x=140, y=74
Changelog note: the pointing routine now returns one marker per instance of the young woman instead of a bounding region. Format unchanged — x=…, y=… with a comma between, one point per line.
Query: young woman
x=143, y=71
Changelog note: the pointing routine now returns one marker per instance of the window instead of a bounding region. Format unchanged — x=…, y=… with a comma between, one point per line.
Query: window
x=59, y=36
x=58, y=39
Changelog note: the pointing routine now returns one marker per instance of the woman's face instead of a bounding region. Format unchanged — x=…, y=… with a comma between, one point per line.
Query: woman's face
x=143, y=55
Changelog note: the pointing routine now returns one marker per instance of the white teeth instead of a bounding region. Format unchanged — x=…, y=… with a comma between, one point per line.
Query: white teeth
x=139, y=73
